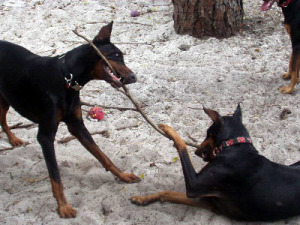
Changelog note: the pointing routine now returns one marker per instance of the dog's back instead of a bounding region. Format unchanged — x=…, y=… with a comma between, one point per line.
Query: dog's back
x=12, y=54
x=26, y=79
x=237, y=181
x=258, y=188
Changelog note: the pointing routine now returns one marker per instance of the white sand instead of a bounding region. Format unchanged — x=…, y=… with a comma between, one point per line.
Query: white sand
x=212, y=73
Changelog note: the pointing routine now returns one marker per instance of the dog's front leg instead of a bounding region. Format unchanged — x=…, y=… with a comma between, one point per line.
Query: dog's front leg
x=294, y=74
x=294, y=63
x=190, y=175
x=287, y=75
x=78, y=129
x=46, y=135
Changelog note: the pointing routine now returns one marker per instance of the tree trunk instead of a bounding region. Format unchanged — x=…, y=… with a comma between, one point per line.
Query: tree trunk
x=208, y=18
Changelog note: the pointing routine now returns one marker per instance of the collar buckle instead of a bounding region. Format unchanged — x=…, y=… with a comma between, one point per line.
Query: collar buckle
x=69, y=80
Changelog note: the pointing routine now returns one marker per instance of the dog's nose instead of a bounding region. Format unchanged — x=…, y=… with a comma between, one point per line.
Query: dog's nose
x=131, y=78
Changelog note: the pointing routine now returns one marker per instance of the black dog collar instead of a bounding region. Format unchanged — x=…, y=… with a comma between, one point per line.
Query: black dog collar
x=69, y=78
x=230, y=142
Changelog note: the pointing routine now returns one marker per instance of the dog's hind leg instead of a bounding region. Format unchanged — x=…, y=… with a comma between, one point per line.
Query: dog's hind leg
x=46, y=137
x=4, y=106
x=287, y=75
x=164, y=196
x=294, y=74
x=174, y=197
x=295, y=61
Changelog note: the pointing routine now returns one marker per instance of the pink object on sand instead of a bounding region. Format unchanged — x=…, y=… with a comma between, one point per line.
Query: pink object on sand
x=134, y=13
x=96, y=113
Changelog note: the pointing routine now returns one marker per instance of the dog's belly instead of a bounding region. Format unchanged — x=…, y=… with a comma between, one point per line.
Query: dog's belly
x=27, y=98
x=24, y=104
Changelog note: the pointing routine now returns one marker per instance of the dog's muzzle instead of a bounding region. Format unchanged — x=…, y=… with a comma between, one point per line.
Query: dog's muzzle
x=130, y=79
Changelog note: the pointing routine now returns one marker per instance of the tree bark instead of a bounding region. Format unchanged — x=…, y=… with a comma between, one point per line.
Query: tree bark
x=208, y=18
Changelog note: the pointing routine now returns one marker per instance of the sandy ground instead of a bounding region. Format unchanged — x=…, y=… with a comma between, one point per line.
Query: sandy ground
x=173, y=84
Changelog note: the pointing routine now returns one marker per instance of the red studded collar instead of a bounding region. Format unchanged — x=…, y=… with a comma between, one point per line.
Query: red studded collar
x=284, y=3
x=230, y=142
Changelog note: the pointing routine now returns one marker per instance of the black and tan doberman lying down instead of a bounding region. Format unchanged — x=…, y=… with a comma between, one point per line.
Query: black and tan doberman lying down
x=45, y=90
x=291, y=12
x=237, y=182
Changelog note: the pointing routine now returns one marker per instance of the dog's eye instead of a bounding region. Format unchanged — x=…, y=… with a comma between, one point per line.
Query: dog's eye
x=117, y=54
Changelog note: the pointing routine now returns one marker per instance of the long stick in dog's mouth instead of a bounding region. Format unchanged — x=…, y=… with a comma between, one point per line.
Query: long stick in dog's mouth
x=125, y=91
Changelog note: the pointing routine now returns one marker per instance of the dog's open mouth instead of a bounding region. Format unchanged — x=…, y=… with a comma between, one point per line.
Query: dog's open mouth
x=116, y=81
x=267, y=5
x=202, y=153
x=205, y=156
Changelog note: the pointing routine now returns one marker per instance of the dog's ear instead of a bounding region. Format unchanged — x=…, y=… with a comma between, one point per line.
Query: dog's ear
x=214, y=115
x=104, y=33
x=238, y=112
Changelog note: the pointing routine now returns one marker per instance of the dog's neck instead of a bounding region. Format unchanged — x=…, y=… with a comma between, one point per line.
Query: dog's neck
x=290, y=9
x=76, y=66
x=284, y=3
x=231, y=142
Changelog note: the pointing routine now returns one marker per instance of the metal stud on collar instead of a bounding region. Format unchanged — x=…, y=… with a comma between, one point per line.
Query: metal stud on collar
x=69, y=80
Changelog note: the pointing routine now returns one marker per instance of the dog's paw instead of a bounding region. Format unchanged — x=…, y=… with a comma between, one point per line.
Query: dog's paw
x=168, y=130
x=286, y=90
x=66, y=211
x=15, y=142
x=129, y=178
x=286, y=76
x=139, y=200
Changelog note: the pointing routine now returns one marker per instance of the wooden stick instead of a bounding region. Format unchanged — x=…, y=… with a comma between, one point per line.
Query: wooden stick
x=126, y=92
x=20, y=125
x=108, y=107
x=103, y=133
x=96, y=49
x=70, y=138
x=13, y=147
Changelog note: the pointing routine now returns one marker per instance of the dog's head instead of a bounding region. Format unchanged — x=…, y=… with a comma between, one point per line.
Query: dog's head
x=267, y=4
x=115, y=57
x=222, y=129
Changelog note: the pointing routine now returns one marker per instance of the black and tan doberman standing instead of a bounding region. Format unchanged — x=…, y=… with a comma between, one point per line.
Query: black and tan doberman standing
x=291, y=12
x=45, y=90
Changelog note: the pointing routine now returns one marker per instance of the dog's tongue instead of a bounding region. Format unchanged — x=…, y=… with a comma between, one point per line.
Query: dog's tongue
x=265, y=6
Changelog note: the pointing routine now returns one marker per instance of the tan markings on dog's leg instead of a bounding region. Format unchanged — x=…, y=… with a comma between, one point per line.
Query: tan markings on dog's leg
x=64, y=209
x=174, y=197
x=78, y=129
x=287, y=75
x=107, y=163
x=288, y=28
x=13, y=140
x=164, y=196
x=298, y=68
x=171, y=133
x=294, y=76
